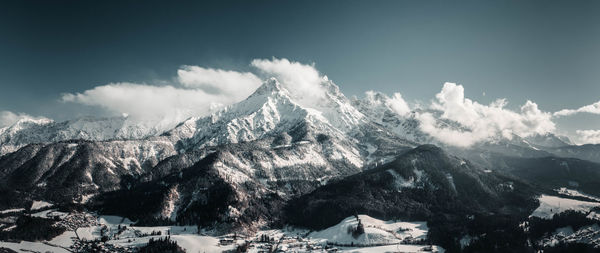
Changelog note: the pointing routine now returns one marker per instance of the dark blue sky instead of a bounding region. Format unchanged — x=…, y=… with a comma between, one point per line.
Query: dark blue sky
x=546, y=51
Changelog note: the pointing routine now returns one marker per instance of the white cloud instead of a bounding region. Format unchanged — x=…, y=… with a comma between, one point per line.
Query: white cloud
x=301, y=80
x=447, y=135
x=163, y=105
x=477, y=122
x=593, y=108
x=396, y=102
x=217, y=81
x=589, y=136
x=8, y=118
x=199, y=91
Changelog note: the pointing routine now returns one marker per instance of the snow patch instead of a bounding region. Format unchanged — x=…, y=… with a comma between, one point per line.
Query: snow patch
x=27, y=247
x=14, y=210
x=39, y=204
x=551, y=205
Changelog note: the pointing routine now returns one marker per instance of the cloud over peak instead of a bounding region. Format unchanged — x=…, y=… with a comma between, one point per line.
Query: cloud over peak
x=218, y=81
x=301, y=80
x=589, y=136
x=478, y=122
x=197, y=91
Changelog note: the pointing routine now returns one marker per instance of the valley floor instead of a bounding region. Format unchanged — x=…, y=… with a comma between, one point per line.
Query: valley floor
x=116, y=234
x=88, y=232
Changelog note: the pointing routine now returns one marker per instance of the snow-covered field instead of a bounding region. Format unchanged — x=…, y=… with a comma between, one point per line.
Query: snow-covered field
x=393, y=248
x=13, y=210
x=550, y=205
x=38, y=204
x=27, y=247
x=189, y=242
x=186, y=236
x=129, y=236
x=65, y=240
x=377, y=232
x=378, y=236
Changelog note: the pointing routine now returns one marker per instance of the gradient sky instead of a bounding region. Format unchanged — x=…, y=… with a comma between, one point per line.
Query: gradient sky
x=545, y=51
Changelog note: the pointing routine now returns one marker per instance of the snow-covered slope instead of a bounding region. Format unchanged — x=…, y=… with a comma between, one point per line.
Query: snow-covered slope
x=381, y=110
x=548, y=140
x=551, y=205
x=28, y=131
x=376, y=232
x=274, y=142
x=413, y=186
x=245, y=177
x=590, y=152
x=271, y=110
x=67, y=171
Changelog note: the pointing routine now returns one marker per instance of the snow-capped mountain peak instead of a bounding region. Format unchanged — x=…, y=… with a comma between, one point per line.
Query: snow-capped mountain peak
x=269, y=87
x=548, y=140
x=270, y=111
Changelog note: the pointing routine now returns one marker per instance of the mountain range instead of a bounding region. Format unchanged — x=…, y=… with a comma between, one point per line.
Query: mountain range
x=280, y=158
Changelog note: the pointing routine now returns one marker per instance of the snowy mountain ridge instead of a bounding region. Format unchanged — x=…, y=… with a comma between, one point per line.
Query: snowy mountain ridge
x=265, y=141
x=272, y=110
x=28, y=131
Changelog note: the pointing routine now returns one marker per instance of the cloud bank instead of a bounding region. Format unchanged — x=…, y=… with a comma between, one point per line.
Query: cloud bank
x=198, y=92
x=589, y=136
x=593, y=108
x=163, y=105
x=478, y=122
x=217, y=81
